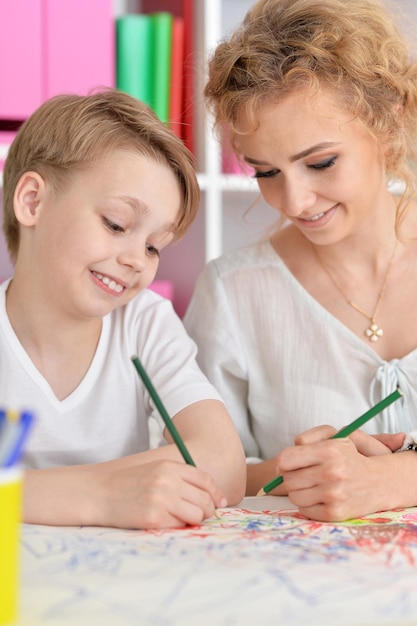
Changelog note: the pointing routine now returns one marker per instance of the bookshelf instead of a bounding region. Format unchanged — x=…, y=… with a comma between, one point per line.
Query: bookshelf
x=232, y=213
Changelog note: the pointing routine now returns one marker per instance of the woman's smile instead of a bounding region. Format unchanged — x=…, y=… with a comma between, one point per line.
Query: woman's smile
x=318, y=220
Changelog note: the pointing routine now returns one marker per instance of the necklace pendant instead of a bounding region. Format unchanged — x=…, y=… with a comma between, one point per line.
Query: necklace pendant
x=374, y=332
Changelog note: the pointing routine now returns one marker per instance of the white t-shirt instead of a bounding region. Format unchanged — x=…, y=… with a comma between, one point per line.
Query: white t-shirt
x=281, y=361
x=106, y=417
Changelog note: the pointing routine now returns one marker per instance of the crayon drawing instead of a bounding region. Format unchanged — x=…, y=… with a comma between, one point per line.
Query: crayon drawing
x=236, y=570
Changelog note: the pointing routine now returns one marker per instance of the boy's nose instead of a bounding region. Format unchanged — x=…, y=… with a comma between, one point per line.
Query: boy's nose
x=133, y=256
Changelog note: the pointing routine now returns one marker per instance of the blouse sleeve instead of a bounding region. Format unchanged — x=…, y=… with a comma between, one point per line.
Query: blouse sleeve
x=210, y=321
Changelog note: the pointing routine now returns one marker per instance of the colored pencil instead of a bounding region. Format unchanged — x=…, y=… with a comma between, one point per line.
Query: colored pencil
x=163, y=412
x=13, y=435
x=344, y=432
x=2, y=420
x=23, y=425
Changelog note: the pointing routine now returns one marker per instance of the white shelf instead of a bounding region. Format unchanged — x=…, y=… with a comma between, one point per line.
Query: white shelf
x=229, y=182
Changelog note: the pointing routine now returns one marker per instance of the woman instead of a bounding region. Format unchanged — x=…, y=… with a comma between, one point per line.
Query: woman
x=318, y=323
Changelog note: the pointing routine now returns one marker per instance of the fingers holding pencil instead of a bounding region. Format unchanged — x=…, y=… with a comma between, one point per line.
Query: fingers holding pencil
x=157, y=494
x=369, y=445
x=329, y=477
x=345, y=431
x=331, y=480
x=175, y=435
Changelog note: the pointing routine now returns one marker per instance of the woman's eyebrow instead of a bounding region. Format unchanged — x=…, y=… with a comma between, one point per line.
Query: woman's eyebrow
x=300, y=155
x=316, y=148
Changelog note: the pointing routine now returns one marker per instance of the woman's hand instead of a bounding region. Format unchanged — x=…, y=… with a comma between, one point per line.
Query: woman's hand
x=336, y=479
x=369, y=445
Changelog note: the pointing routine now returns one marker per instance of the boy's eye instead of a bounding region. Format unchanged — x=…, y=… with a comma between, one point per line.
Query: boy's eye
x=323, y=164
x=268, y=174
x=115, y=228
x=152, y=250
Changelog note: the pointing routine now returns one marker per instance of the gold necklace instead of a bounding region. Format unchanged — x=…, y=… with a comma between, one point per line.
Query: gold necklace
x=373, y=332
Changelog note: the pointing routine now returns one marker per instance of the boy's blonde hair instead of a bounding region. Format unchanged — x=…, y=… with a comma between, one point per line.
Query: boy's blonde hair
x=69, y=132
x=352, y=47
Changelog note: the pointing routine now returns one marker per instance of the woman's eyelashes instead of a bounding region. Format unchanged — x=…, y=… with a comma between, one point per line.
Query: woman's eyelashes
x=268, y=174
x=321, y=165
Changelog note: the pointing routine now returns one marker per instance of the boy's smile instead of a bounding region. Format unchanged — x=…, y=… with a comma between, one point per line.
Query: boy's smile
x=109, y=284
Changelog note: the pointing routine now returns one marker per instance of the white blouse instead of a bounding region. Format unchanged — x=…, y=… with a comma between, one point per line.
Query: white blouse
x=282, y=362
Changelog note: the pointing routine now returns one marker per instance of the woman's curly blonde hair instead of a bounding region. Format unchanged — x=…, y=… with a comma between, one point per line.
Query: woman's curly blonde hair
x=353, y=47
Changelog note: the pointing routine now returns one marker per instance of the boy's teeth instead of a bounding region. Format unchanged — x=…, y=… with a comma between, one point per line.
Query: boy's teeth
x=115, y=286
x=110, y=283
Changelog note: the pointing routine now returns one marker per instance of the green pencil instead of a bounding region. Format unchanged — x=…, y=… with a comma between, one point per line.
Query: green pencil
x=344, y=432
x=163, y=412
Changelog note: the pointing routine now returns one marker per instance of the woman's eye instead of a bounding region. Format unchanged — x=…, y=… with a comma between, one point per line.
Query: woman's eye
x=115, y=228
x=323, y=164
x=268, y=174
x=152, y=250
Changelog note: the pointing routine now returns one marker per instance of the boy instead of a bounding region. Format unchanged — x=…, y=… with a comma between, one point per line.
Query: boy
x=94, y=188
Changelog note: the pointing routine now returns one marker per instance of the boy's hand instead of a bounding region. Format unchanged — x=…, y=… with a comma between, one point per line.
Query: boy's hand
x=159, y=494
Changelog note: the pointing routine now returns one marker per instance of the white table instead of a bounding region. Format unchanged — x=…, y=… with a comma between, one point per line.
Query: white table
x=247, y=568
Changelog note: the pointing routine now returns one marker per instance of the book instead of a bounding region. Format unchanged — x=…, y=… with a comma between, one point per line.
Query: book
x=177, y=68
x=188, y=77
x=162, y=23
x=134, y=56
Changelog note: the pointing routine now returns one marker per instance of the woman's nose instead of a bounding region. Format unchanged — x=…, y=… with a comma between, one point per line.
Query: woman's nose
x=298, y=198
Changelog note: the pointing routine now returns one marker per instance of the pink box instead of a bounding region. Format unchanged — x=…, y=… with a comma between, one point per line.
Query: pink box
x=53, y=46
x=20, y=58
x=80, y=46
x=165, y=288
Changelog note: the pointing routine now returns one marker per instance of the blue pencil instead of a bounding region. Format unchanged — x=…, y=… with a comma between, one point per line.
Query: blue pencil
x=12, y=443
x=2, y=420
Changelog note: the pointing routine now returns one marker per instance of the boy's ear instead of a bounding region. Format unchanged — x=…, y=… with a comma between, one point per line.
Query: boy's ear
x=28, y=195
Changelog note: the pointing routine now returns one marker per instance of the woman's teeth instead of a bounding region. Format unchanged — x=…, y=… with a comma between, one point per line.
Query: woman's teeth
x=314, y=218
